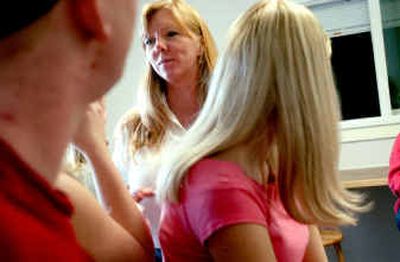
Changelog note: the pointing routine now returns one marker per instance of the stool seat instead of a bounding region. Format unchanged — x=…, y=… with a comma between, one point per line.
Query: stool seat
x=330, y=236
x=334, y=237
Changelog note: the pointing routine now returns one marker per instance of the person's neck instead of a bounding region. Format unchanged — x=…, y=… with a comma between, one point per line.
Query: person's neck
x=243, y=156
x=38, y=115
x=183, y=101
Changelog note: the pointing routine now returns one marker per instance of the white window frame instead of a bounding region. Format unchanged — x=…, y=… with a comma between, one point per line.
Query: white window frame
x=388, y=124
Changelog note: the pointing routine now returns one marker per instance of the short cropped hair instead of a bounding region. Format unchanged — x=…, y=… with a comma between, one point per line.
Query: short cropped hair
x=17, y=14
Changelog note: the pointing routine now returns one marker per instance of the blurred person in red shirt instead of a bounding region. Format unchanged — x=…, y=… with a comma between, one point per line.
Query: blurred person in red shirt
x=56, y=57
x=394, y=177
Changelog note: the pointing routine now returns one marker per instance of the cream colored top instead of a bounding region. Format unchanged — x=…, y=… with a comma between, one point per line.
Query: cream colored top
x=141, y=171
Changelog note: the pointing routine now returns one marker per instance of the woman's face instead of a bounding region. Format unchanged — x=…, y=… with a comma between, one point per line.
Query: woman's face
x=172, y=53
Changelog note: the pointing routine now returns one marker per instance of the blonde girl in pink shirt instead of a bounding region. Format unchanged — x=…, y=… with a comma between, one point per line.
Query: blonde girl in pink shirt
x=258, y=169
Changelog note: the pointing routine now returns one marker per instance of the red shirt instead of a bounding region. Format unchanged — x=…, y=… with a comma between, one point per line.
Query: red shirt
x=394, y=172
x=34, y=217
x=217, y=194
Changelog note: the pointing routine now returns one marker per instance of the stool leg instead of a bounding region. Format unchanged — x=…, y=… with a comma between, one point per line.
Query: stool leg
x=339, y=252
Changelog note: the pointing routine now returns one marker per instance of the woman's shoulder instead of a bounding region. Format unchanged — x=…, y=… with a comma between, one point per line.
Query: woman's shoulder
x=216, y=165
x=215, y=172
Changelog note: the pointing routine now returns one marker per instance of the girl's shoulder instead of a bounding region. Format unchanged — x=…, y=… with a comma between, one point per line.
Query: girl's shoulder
x=212, y=172
x=216, y=165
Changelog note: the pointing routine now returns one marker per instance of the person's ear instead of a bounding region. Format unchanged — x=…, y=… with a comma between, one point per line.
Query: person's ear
x=91, y=20
x=200, y=47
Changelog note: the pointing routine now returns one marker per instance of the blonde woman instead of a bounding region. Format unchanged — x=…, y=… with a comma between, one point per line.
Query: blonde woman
x=181, y=54
x=258, y=167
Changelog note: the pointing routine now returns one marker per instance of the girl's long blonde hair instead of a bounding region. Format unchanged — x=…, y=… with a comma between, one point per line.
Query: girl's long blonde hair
x=147, y=126
x=273, y=90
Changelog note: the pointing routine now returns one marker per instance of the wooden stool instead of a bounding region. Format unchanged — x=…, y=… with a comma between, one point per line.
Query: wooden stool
x=332, y=236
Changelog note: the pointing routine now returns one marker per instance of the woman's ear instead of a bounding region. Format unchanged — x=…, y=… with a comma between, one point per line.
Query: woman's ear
x=91, y=20
x=200, y=47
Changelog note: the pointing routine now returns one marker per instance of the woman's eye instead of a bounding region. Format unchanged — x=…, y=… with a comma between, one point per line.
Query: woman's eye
x=148, y=41
x=172, y=33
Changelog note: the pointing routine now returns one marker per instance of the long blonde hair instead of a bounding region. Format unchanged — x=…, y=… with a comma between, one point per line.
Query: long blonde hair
x=77, y=165
x=147, y=126
x=273, y=89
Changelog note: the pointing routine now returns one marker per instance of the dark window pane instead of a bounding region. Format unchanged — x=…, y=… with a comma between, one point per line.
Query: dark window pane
x=390, y=10
x=354, y=69
x=392, y=46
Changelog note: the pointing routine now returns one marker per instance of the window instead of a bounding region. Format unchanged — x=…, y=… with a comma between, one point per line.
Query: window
x=354, y=71
x=365, y=38
x=391, y=33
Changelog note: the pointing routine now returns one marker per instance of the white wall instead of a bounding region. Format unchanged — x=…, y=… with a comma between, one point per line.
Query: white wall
x=122, y=96
x=365, y=154
x=371, y=151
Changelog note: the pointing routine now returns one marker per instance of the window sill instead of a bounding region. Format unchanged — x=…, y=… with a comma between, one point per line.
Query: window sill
x=386, y=131
x=365, y=177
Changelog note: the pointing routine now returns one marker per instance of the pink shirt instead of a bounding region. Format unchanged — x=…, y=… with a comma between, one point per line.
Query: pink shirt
x=217, y=194
x=394, y=172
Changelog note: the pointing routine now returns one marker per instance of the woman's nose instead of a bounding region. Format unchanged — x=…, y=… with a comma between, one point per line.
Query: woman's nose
x=160, y=44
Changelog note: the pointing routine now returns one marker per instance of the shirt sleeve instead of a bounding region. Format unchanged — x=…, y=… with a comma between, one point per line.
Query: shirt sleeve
x=394, y=168
x=220, y=200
